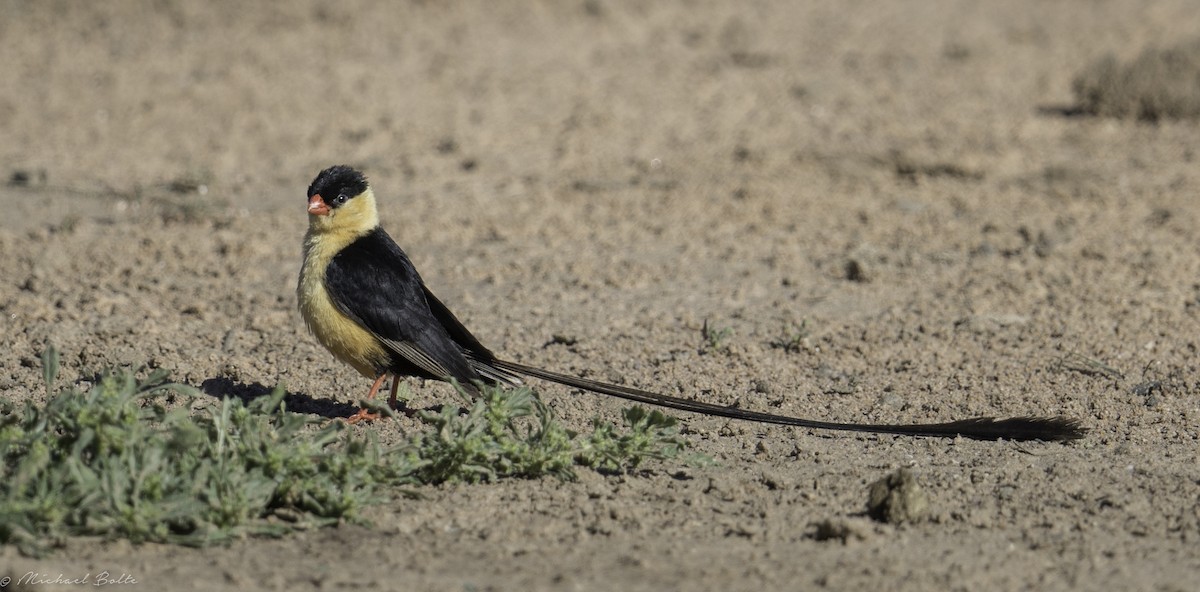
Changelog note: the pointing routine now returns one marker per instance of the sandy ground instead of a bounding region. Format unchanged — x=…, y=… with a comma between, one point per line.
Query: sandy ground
x=903, y=180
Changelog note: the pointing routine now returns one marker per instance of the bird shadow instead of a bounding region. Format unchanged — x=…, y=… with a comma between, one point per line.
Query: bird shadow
x=223, y=388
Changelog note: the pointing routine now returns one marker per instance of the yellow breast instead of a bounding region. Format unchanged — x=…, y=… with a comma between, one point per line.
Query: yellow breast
x=344, y=338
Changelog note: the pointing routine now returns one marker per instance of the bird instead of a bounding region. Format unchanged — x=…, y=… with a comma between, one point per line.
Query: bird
x=362, y=298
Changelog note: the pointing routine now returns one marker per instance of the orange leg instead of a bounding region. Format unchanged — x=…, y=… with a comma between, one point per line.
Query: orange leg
x=395, y=386
x=363, y=414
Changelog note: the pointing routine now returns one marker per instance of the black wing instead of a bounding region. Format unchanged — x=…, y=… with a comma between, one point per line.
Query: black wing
x=479, y=357
x=374, y=283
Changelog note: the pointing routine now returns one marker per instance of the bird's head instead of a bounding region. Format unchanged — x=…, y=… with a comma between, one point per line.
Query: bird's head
x=340, y=199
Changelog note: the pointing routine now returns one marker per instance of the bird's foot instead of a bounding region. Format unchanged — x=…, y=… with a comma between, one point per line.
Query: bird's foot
x=362, y=415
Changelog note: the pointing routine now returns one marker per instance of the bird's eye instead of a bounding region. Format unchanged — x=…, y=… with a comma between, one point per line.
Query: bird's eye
x=340, y=199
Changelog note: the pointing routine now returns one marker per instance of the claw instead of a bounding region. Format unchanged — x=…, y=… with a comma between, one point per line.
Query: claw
x=362, y=415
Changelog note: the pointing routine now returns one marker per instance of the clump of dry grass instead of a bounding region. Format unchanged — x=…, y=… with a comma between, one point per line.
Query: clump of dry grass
x=1158, y=84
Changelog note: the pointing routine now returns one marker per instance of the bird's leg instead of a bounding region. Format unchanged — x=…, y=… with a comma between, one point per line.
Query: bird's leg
x=395, y=387
x=363, y=414
x=394, y=402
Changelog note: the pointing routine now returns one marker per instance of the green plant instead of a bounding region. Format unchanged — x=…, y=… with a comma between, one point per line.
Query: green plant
x=714, y=338
x=131, y=458
x=651, y=436
x=793, y=338
x=514, y=434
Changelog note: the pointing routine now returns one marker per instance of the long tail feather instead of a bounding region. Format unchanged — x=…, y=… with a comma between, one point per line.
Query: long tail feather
x=979, y=428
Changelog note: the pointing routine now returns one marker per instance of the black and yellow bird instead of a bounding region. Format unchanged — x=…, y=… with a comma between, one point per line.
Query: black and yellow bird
x=365, y=302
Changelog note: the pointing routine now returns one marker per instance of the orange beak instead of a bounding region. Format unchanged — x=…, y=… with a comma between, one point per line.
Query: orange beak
x=317, y=206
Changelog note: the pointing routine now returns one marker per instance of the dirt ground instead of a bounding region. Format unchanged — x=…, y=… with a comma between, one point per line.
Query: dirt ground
x=899, y=190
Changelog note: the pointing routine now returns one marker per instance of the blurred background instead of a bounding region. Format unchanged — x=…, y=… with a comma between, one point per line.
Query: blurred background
x=515, y=97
